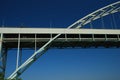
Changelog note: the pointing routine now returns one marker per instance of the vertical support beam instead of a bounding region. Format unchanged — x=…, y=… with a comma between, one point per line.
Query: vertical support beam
x=114, y=22
x=3, y=58
x=102, y=21
x=91, y=26
x=51, y=36
x=65, y=37
x=1, y=38
x=1, y=67
x=79, y=37
x=18, y=54
x=93, y=38
x=35, y=42
x=105, y=37
x=118, y=37
x=51, y=28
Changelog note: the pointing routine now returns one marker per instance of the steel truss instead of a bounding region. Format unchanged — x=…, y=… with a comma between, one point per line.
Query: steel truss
x=112, y=8
x=109, y=9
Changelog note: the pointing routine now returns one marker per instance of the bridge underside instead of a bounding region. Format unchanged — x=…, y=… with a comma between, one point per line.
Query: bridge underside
x=82, y=41
x=69, y=44
x=37, y=37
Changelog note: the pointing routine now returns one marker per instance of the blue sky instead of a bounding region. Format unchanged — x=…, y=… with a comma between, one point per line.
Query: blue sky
x=60, y=64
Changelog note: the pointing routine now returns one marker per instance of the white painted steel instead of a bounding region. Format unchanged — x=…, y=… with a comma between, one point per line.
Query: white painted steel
x=18, y=52
x=57, y=31
x=95, y=15
x=1, y=38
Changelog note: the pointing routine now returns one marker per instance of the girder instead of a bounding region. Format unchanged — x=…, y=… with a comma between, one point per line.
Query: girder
x=33, y=40
x=41, y=31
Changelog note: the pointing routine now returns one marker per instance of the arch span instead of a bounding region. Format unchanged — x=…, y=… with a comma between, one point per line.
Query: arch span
x=109, y=9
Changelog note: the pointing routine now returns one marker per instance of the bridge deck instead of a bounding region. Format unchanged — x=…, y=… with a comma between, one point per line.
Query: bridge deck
x=68, y=38
x=57, y=31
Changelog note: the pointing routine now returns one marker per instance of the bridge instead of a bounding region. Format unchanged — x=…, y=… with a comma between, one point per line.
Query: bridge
x=76, y=35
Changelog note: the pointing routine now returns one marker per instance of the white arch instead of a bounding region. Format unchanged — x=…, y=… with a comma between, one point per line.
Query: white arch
x=112, y=8
x=109, y=9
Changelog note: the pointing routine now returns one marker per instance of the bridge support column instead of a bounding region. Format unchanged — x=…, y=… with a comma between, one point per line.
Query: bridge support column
x=3, y=59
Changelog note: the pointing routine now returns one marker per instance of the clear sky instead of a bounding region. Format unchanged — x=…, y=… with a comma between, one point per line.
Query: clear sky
x=60, y=64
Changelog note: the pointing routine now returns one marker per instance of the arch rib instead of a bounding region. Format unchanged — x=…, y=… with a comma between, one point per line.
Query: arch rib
x=110, y=9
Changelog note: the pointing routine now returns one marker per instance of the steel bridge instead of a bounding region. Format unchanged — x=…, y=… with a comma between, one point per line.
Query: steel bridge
x=41, y=39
